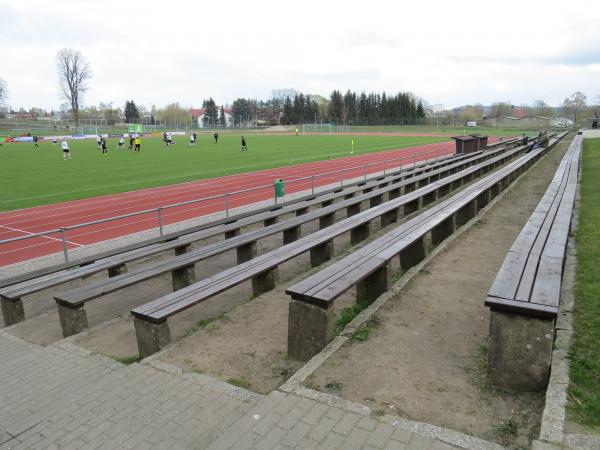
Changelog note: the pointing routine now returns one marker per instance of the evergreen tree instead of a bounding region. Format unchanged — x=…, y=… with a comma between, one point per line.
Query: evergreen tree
x=222, y=121
x=336, y=107
x=211, y=115
x=132, y=115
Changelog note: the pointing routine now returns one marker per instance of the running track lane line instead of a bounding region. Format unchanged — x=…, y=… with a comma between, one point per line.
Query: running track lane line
x=42, y=236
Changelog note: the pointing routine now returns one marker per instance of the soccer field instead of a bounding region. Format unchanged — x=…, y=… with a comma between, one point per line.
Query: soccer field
x=38, y=176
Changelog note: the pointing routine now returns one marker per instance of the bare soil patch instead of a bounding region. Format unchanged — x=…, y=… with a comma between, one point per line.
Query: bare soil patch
x=425, y=358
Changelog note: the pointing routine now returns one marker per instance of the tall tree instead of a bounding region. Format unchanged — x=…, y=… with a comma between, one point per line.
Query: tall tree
x=211, y=116
x=222, y=120
x=336, y=106
x=173, y=115
x=500, y=110
x=73, y=74
x=132, y=114
x=3, y=92
x=575, y=103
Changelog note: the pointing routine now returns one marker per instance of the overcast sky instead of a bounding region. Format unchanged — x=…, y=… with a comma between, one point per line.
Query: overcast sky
x=447, y=52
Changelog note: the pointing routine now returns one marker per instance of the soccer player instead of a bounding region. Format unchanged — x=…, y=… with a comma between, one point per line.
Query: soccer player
x=296, y=131
x=104, y=147
x=244, y=146
x=35, y=141
x=138, y=143
x=192, y=140
x=121, y=142
x=131, y=139
x=169, y=139
x=65, y=149
x=54, y=141
x=216, y=136
x=99, y=142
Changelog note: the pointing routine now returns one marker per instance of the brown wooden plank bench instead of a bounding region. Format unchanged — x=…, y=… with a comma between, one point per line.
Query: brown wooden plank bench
x=525, y=297
x=71, y=304
x=16, y=288
x=311, y=311
x=150, y=320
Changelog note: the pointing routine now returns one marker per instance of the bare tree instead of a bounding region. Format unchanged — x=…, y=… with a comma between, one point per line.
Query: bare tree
x=576, y=102
x=3, y=92
x=73, y=73
x=500, y=110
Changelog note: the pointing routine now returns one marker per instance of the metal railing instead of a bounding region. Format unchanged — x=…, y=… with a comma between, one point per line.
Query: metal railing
x=224, y=202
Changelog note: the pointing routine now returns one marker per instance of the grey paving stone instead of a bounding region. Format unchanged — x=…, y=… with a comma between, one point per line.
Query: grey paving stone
x=380, y=436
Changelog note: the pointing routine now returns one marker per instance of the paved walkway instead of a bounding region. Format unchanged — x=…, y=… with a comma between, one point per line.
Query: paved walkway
x=64, y=397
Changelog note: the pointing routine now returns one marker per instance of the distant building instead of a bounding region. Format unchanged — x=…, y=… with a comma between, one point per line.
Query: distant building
x=199, y=113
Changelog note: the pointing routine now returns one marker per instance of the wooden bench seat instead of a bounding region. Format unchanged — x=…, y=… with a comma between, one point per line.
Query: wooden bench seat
x=151, y=319
x=524, y=299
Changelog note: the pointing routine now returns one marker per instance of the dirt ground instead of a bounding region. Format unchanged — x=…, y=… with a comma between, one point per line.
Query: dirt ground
x=426, y=360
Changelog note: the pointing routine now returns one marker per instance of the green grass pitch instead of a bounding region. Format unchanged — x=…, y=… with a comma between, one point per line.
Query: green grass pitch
x=38, y=176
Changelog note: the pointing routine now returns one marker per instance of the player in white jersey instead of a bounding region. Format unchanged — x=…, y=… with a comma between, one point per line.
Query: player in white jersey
x=65, y=149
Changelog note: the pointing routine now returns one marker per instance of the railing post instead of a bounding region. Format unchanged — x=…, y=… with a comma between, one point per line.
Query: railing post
x=160, y=219
x=312, y=184
x=365, y=172
x=64, y=244
x=227, y=204
x=384, y=166
x=341, y=177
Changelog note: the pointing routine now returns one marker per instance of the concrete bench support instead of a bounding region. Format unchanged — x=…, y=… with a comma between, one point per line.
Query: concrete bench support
x=271, y=221
x=413, y=206
x=430, y=197
x=246, y=252
x=378, y=200
x=360, y=233
x=151, y=337
x=394, y=193
x=412, y=254
x=353, y=210
x=264, y=282
x=409, y=188
x=12, y=311
x=72, y=320
x=373, y=286
x=520, y=351
x=310, y=329
x=465, y=214
x=321, y=254
x=301, y=211
x=483, y=199
x=291, y=235
x=442, y=231
x=117, y=270
x=184, y=276
x=389, y=218
x=232, y=233
x=326, y=221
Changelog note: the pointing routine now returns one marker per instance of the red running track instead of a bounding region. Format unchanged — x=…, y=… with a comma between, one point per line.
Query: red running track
x=42, y=218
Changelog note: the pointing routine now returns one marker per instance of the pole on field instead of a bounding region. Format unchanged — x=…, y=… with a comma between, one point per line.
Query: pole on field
x=160, y=219
x=64, y=244
x=227, y=204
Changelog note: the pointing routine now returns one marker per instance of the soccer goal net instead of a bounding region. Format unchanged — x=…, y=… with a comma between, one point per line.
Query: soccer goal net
x=324, y=128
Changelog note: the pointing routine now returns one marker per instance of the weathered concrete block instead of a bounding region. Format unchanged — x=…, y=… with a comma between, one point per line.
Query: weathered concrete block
x=413, y=254
x=360, y=233
x=465, y=214
x=389, y=217
x=151, y=337
x=72, y=320
x=12, y=311
x=326, y=221
x=246, y=252
x=117, y=270
x=321, y=253
x=265, y=281
x=372, y=286
x=310, y=329
x=352, y=209
x=182, y=277
x=232, y=233
x=442, y=231
x=291, y=235
x=374, y=201
x=271, y=221
x=520, y=351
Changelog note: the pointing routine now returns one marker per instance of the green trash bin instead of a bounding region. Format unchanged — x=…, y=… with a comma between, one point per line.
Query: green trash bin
x=279, y=185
